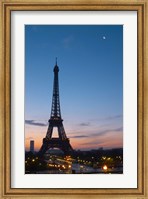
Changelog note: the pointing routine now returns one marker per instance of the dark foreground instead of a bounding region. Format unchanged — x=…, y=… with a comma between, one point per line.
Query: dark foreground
x=80, y=162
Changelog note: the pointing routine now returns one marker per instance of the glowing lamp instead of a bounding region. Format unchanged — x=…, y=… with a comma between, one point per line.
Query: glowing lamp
x=105, y=168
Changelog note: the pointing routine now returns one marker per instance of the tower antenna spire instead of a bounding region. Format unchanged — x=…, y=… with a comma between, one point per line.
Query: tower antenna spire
x=56, y=61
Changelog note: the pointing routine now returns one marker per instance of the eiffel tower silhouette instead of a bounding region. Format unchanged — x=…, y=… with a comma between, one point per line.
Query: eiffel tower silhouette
x=62, y=142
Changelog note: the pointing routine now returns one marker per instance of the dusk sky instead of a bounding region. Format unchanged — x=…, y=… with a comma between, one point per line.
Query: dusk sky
x=90, y=60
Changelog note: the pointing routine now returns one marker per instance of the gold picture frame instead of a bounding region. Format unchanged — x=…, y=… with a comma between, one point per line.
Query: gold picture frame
x=5, y=98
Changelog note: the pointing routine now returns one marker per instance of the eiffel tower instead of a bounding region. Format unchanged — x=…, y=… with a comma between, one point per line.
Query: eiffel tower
x=62, y=142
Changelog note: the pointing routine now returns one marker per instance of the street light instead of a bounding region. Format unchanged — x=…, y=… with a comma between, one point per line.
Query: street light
x=105, y=168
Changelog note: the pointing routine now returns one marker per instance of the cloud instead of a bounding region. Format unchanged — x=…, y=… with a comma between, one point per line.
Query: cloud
x=84, y=124
x=35, y=123
x=114, y=117
x=100, y=133
x=119, y=129
x=79, y=136
x=105, y=138
x=107, y=119
x=92, y=143
x=67, y=41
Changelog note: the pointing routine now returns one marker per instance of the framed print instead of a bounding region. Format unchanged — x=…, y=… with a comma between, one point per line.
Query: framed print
x=73, y=99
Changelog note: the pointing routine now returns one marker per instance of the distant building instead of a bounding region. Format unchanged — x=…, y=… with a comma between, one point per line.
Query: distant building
x=32, y=146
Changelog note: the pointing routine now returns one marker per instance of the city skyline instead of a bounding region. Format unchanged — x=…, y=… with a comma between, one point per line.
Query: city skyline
x=90, y=60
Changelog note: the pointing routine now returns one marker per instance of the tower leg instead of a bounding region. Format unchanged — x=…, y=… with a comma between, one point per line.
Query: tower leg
x=44, y=147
